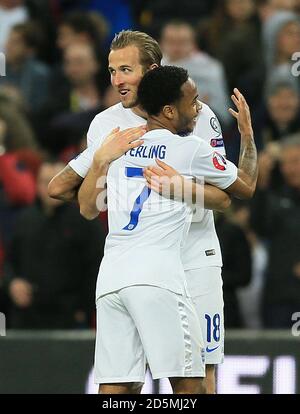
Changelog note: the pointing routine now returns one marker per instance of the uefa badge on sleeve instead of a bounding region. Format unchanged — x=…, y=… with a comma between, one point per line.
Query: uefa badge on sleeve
x=217, y=142
x=219, y=161
x=215, y=124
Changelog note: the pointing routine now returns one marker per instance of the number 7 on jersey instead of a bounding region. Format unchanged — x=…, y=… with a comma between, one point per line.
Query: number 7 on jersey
x=140, y=200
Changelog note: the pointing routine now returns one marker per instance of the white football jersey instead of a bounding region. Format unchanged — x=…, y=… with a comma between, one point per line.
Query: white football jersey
x=146, y=230
x=202, y=247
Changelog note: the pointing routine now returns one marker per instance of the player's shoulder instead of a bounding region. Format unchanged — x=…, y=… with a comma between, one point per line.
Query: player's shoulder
x=104, y=122
x=206, y=112
x=113, y=111
x=208, y=126
x=196, y=140
x=192, y=144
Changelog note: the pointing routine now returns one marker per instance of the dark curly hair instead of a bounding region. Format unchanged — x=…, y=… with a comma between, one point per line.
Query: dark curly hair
x=161, y=86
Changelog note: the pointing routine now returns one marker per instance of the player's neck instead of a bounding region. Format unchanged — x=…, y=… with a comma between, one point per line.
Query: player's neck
x=157, y=123
x=153, y=122
x=138, y=111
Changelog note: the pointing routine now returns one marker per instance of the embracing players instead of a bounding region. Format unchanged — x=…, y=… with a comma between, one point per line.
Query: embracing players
x=132, y=55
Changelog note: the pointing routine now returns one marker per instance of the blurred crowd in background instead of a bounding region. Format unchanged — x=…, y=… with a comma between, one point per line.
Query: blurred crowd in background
x=57, y=80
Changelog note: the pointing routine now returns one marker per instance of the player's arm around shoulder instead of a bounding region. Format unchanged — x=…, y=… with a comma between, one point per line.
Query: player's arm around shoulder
x=214, y=198
x=166, y=181
x=64, y=186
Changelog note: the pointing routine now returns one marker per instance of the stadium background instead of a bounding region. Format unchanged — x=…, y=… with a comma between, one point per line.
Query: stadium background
x=56, y=80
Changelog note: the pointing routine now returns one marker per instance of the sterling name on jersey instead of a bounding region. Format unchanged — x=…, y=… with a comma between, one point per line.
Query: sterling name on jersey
x=202, y=246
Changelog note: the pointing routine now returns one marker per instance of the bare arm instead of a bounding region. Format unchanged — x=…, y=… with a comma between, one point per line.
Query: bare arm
x=166, y=181
x=92, y=193
x=245, y=184
x=65, y=185
x=215, y=199
x=92, y=187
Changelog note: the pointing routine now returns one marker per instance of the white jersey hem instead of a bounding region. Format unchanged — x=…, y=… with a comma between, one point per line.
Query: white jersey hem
x=201, y=266
x=181, y=373
x=104, y=380
x=110, y=291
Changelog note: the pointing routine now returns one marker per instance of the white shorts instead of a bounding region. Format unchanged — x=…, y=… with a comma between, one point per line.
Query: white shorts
x=147, y=324
x=205, y=286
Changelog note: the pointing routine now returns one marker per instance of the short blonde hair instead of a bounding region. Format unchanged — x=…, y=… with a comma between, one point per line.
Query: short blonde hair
x=148, y=47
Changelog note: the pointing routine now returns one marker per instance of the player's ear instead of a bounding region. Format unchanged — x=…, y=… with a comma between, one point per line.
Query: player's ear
x=153, y=66
x=168, y=111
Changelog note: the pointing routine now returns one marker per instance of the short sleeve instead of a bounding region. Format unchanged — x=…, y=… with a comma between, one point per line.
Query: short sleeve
x=99, y=129
x=101, y=126
x=93, y=133
x=82, y=163
x=213, y=167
